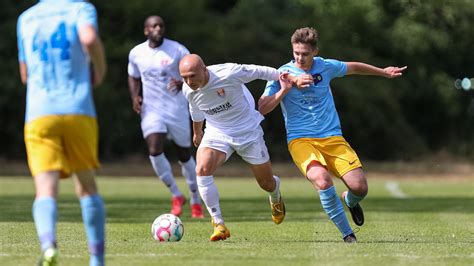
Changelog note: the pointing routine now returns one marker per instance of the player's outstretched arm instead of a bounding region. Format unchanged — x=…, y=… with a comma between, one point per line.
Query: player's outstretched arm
x=93, y=45
x=357, y=68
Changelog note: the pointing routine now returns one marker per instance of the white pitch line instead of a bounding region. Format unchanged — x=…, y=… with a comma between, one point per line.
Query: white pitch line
x=394, y=189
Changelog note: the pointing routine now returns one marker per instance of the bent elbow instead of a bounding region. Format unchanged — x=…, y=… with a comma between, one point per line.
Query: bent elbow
x=88, y=36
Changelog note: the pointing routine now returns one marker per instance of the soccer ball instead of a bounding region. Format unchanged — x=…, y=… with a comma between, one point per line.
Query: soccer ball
x=167, y=228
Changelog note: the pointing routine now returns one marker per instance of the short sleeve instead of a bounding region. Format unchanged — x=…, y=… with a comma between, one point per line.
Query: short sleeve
x=21, y=49
x=336, y=68
x=272, y=87
x=87, y=16
x=196, y=114
x=132, y=68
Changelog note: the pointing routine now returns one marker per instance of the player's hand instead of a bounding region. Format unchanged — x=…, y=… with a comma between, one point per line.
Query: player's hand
x=137, y=104
x=393, y=72
x=304, y=81
x=197, y=138
x=175, y=85
x=285, y=82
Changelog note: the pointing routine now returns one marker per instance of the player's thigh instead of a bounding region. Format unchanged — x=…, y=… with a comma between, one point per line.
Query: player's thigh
x=356, y=181
x=155, y=143
x=81, y=139
x=304, y=153
x=44, y=146
x=208, y=159
x=85, y=183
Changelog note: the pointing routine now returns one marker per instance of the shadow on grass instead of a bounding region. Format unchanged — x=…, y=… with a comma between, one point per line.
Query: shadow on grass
x=139, y=209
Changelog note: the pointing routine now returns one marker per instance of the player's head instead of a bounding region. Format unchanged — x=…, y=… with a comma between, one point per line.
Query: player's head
x=193, y=71
x=155, y=28
x=304, y=42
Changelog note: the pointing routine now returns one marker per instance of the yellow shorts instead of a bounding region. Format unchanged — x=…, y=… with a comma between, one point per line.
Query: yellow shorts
x=65, y=143
x=332, y=152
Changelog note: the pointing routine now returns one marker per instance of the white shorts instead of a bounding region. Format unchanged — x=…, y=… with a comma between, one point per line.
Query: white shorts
x=179, y=131
x=250, y=147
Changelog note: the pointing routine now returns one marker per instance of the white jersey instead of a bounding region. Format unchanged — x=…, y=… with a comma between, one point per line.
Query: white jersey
x=156, y=67
x=225, y=102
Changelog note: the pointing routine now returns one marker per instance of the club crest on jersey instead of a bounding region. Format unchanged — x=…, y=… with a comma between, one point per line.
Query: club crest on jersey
x=317, y=78
x=164, y=62
x=221, y=93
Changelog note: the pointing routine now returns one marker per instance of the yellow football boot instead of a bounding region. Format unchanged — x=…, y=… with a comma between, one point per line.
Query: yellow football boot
x=220, y=232
x=278, y=211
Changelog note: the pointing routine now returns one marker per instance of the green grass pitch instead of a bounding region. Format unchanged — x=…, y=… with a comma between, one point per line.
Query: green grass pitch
x=432, y=225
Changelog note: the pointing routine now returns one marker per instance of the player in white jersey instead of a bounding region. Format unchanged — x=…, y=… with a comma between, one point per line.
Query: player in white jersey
x=218, y=95
x=155, y=88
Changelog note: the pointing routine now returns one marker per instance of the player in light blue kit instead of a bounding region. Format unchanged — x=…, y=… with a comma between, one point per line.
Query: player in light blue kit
x=58, y=42
x=314, y=133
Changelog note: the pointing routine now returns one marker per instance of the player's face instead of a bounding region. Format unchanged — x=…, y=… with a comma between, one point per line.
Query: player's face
x=155, y=29
x=303, y=54
x=194, y=78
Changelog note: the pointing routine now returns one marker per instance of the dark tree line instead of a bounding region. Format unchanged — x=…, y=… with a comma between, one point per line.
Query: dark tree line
x=402, y=119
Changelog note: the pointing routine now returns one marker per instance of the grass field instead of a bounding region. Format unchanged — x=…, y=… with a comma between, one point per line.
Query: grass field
x=428, y=221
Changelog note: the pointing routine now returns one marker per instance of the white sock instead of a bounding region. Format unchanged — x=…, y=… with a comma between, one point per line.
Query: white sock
x=188, y=169
x=275, y=195
x=162, y=168
x=210, y=196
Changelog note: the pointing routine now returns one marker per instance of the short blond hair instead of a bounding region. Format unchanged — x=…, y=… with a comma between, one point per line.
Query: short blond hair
x=305, y=35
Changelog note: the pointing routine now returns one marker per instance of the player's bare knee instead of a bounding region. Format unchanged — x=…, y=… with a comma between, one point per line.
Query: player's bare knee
x=320, y=181
x=184, y=154
x=360, y=190
x=202, y=170
x=152, y=151
x=86, y=191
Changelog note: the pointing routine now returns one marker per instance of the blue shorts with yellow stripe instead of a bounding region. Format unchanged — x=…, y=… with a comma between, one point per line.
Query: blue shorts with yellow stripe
x=65, y=143
x=334, y=153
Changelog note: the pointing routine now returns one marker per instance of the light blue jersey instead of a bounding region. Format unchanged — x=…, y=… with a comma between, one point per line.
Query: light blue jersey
x=310, y=112
x=59, y=75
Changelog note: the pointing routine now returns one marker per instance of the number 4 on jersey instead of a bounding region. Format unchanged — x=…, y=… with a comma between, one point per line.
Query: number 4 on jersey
x=58, y=40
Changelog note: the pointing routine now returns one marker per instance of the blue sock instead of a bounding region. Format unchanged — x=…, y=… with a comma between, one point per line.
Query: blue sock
x=45, y=214
x=333, y=207
x=352, y=199
x=93, y=215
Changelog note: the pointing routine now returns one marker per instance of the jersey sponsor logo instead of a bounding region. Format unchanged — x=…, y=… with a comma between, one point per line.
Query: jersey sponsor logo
x=223, y=107
x=221, y=93
x=317, y=78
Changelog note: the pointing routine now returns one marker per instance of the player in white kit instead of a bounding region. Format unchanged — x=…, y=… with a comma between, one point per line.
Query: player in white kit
x=155, y=88
x=218, y=95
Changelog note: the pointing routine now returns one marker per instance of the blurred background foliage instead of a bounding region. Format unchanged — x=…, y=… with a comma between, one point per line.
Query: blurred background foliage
x=408, y=118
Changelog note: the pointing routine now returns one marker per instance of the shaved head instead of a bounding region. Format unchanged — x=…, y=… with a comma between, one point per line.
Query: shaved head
x=191, y=62
x=193, y=70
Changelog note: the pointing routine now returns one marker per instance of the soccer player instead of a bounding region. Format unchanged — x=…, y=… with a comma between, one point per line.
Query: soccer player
x=314, y=133
x=155, y=89
x=218, y=95
x=57, y=43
